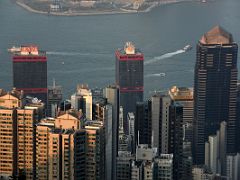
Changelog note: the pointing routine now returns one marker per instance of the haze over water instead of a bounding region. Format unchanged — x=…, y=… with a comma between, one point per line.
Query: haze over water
x=86, y=44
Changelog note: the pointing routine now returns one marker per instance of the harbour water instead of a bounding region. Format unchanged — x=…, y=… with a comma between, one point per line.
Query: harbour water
x=81, y=49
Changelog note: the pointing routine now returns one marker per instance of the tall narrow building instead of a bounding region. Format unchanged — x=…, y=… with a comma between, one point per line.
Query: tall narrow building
x=30, y=72
x=215, y=89
x=129, y=78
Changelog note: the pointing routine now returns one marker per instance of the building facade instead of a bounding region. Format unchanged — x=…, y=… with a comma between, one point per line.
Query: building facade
x=30, y=72
x=129, y=79
x=215, y=89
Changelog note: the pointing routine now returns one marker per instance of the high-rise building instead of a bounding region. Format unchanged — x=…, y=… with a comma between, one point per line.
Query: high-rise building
x=17, y=134
x=30, y=72
x=184, y=96
x=95, y=151
x=54, y=99
x=124, y=161
x=176, y=139
x=129, y=78
x=215, y=89
x=161, y=122
x=143, y=124
x=82, y=99
x=61, y=147
x=233, y=166
x=111, y=93
x=164, y=167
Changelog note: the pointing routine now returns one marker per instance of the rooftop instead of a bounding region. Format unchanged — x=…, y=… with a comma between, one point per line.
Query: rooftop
x=217, y=35
x=130, y=49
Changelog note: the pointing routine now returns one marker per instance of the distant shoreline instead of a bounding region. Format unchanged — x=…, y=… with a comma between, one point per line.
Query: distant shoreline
x=98, y=12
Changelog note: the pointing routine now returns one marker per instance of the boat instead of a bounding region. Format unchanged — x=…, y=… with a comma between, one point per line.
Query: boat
x=204, y=1
x=187, y=48
x=14, y=49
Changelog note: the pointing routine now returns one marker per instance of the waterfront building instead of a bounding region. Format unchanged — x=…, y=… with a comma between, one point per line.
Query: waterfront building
x=129, y=79
x=17, y=134
x=30, y=72
x=215, y=89
x=82, y=99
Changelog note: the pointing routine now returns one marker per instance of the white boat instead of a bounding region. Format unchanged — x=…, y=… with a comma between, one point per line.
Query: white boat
x=187, y=48
x=14, y=49
x=204, y=1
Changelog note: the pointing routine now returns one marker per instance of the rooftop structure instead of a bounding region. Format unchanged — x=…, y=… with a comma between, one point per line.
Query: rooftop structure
x=181, y=93
x=217, y=35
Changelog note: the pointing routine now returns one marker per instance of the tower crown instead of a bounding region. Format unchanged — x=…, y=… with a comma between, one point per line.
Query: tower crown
x=217, y=35
x=129, y=48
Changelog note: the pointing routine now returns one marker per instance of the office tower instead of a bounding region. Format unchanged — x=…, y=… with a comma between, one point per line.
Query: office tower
x=111, y=93
x=143, y=123
x=102, y=111
x=176, y=139
x=82, y=99
x=129, y=79
x=17, y=129
x=54, y=99
x=30, y=72
x=164, y=167
x=215, y=89
x=238, y=117
x=95, y=151
x=233, y=166
x=161, y=122
x=184, y=96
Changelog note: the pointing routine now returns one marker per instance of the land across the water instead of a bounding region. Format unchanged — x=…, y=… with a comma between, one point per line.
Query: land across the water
x=91, y=7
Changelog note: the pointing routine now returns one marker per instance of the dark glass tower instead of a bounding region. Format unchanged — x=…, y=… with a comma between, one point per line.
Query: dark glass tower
x=30, y=72
x=215, y=89
x=129, y=78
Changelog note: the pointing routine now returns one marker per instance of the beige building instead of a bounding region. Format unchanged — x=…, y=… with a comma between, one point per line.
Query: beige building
x=95, y=152
x=17, y=132
x=60, y=149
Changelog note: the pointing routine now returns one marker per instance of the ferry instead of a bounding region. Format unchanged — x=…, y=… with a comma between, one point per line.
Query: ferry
x=187, y=48
x=14, y=49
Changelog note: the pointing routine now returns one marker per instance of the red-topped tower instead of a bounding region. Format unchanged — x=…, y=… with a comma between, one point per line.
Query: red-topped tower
x=30, y=71
x=129, y=78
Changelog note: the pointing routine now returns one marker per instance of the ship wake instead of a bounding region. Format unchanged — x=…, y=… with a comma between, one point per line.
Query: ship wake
x=58, y=53
x=164, y=56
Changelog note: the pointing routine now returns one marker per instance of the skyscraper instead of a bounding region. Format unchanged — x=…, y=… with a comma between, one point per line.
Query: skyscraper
x=215, y=89
x=112, y=95
x=30, y=72
x=129, y=78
